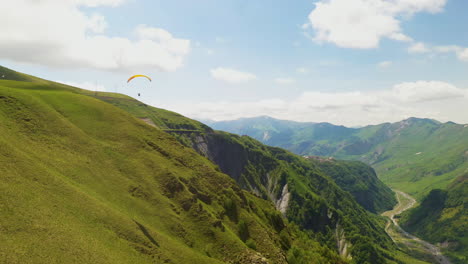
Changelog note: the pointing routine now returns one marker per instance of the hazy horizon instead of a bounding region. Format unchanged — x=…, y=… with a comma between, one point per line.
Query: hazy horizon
x=208, y=121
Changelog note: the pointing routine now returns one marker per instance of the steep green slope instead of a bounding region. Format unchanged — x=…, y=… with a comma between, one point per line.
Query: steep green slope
x=84, y=173
x=299, y=190
x=414, y=155
x=360, y=180
x=443, y=218
x=83, y=181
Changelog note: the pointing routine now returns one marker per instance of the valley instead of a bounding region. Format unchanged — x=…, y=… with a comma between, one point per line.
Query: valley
x=405, y=239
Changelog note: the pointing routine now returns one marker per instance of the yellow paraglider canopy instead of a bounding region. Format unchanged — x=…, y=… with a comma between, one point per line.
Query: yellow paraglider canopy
x=138, y=75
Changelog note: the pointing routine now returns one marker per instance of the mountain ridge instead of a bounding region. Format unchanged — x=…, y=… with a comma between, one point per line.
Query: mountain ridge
x=398, y=151
x=270, y=118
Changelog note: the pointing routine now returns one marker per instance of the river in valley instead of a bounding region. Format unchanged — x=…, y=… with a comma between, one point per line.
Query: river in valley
x=406, y=202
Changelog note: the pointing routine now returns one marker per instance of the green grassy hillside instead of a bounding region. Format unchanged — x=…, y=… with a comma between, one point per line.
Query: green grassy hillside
x=443, y=218
x=414, y=155
x=83, y=181
x=96, y=178
x=361, y=181
x=316, y=203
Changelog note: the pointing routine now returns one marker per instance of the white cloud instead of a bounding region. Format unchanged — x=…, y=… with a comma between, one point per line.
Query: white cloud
x=422, y=91
x=460, y=52
x=446, y=49
x=400, y=37
x=163, y=39
x=418, y=47
x=463, y=54
x=363, y=23
x=66, y=36
x=415, y=6
x=432, y=99
x=86, y=85
x=97, y=23
x=285, y=81
x=385, y=64
x=231, y=75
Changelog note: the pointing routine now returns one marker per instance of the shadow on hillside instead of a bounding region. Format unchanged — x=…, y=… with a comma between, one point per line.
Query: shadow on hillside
x=146, y=233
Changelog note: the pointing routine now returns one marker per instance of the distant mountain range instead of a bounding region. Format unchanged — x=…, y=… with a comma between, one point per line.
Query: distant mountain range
x=414, y=155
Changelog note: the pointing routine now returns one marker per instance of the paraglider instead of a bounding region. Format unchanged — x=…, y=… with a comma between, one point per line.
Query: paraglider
x=137, y=76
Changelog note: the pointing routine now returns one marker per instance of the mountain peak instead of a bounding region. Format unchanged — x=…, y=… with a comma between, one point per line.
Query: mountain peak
x=420, y=120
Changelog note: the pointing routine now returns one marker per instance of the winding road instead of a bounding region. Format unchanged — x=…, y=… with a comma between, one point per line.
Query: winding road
x=405, y=202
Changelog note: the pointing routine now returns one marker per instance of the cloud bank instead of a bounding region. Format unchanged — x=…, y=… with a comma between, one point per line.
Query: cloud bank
x=431, y=99
x=361, y=24
x=59, y=33
x=460, y=52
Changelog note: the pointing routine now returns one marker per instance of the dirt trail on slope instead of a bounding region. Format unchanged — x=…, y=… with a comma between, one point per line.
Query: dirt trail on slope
x=148, y=121
x=406, y=202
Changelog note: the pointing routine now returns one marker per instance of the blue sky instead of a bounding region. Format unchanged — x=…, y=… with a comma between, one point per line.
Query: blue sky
x=351, y=62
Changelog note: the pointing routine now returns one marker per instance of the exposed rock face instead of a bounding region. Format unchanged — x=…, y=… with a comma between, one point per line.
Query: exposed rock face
x=233, y=159
x=200, y=145
x=229, y=156
x=266, y=136
x=341, y=243
x=271, y=183
x=282, y=203
x=252, y=170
